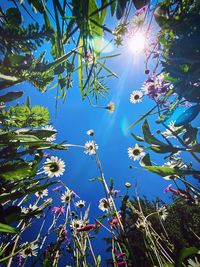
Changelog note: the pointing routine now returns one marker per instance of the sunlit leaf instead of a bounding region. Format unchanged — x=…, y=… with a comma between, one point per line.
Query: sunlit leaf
x=166, y=171
x=145, y=161
x=185, y=253
x=4, y=228
x=15, y=171
x=148, y=136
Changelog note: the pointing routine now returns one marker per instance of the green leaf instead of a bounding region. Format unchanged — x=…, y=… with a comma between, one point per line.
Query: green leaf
x=98, y=259
x=113, y=7
x=96, y=179
x=80, y=67
x=137, y=137
x=11, y=214
x=142, y=117
x=164, y=149
x=38, y=4
x=13, y=17
x=10, y=96
x=166, y=171
x=4, y=197
x=185, y=253
x=108, y=70
x=148, y=136
x=14, y=171
x=7, y=229
x=85, y=218
x=145, y=161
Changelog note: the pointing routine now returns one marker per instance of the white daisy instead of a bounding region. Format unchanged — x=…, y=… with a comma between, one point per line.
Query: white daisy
x=80, y=204
x=193, y=263
x=135, y=152
x=54, y=167
x=138, y=21
x=105, y=204
x=136, y=97
x=29, y=250
x=75, y=224
x=163, y=213
x=168, y=133
x=90, y=132
x=147, y=87
x=66, y=196
x=53, y=136
x=90, y=147
x=42, y=194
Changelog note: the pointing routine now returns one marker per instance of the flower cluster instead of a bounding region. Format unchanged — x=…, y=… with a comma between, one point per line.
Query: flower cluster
x=155, y=87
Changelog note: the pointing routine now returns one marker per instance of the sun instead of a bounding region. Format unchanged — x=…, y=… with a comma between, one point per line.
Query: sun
x=137, y=42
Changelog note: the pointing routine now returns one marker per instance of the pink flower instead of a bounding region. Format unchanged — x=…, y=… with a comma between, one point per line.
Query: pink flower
x=141, y=10
x=120, y=255
x=122, y=263
x=58, y=210
x=87, y=227
x=57, y=188
x=167, y=188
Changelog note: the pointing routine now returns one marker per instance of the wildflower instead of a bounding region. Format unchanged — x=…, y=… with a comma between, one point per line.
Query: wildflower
x=30, y=250
x=53, y=136
x=135, y=152
x=66, y=196
x=193, y=263
x=89, y=57
x=148, y=87
x=128, y=185
x=111, y=107
x=42, y=194
x=31, y=208
x=58, y=210
x=76, y=224
x=163, y=213
x=19, y=260
x=115, y=221
x=136, y=97
x=56, y=188
x=167, y=188
x=80, y=204
x=138, y=21
x=169, y=133
x=90, y=132
x=105, y=204
x=175, y=163
x=54, y=167
x=87, y=228
x=90, y=147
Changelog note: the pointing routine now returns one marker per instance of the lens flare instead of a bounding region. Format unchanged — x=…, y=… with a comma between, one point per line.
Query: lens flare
x=137, y=42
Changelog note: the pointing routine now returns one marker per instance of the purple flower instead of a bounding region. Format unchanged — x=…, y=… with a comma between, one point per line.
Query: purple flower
x=58, y=210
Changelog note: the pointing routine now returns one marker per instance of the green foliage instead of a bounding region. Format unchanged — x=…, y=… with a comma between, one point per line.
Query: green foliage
x=180, y=39
x=7, y=229
x=181, y=229
x=23, y=116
